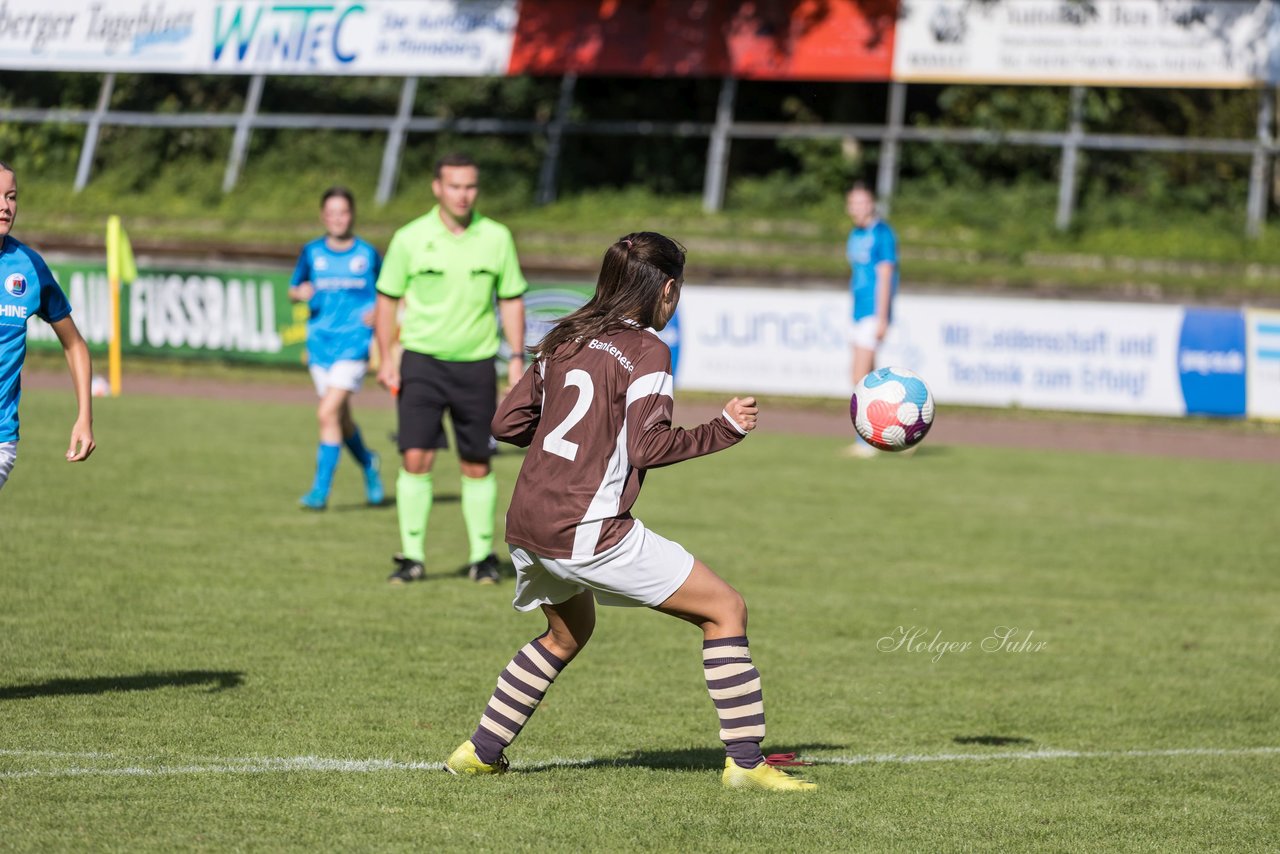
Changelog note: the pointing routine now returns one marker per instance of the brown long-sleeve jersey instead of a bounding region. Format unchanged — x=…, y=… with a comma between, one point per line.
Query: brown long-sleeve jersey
x=594, y=423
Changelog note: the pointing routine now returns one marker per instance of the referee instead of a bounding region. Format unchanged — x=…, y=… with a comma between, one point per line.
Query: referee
x=449, y=267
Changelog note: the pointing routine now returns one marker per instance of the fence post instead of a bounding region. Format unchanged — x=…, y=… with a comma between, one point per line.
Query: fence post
x=91, y=132
x=547, y=176
x=1256, y=215
x=1070, y=157
x=887, y=174
x=395, y=141
x=713, y=183
x=244, y=127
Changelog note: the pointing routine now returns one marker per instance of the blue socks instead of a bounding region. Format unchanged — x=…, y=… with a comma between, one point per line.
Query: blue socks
x=327, y=457
x=355, y=444
x=326, y=462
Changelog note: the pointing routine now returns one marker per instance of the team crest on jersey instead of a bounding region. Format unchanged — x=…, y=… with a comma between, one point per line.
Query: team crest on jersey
x=321, y=263
x=860, y=248
x=16, y=285
x=359, y=264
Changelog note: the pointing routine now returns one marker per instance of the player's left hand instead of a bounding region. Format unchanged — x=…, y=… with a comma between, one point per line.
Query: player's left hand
x=744, y=412
x=82, y=443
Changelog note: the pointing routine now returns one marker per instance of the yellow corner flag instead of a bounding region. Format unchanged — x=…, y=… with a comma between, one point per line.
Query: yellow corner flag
x=120, y=269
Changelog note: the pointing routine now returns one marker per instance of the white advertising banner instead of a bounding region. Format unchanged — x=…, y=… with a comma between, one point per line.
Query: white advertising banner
x=372, y=37
x=1089, y=356
x=1211, y=43
x=1086, y=356
x=1263, y=334
x=759, y=340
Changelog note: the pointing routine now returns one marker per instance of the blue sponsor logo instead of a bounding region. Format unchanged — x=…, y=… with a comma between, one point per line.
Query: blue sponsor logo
x=1211, y=361
x=799, y=331
x=305, y=35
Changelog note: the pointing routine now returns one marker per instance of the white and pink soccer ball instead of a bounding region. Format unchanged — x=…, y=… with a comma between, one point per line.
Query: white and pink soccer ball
x=892, y=409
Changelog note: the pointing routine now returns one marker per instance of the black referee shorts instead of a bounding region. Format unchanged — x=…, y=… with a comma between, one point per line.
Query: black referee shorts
x=468, y=390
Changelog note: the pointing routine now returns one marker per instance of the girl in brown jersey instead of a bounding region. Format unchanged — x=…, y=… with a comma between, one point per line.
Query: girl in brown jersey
x=595, y=413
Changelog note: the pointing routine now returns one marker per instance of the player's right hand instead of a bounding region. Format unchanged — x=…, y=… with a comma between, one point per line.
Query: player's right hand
x=82, y=443
x=302, y=292
x=389, y=376
x=744, y=412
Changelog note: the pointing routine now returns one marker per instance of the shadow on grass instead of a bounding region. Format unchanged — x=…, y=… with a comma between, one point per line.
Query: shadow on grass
x=388, y=503
x=991, y=740
x=925, y=449
x=687, y=759
x=218, y=680
x=506, y=573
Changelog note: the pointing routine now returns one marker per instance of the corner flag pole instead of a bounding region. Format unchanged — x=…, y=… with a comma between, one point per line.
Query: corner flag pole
x=120, y=268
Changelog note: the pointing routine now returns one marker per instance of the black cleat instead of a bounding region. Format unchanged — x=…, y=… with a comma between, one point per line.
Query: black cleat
x=485, y=571
x=407, y=570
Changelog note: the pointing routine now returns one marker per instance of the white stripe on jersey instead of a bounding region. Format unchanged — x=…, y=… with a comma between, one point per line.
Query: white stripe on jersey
x=655, y=383
x=604, y=504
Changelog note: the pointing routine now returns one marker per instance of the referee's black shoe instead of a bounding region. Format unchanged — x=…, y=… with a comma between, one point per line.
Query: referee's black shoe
x=407, y=570
x=485, y=571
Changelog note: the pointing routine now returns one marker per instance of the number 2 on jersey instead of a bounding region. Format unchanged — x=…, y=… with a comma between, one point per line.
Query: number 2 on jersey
x=555, y=441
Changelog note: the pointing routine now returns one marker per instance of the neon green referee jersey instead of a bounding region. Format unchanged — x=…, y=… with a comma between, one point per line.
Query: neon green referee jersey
x=449, y=283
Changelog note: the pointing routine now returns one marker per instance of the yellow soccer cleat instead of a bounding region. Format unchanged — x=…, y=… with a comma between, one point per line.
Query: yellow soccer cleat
x=763, y=777
x=464, y=762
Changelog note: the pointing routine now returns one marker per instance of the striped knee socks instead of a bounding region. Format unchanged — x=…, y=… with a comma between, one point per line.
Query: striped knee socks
x=734, y=685
x=521, y=688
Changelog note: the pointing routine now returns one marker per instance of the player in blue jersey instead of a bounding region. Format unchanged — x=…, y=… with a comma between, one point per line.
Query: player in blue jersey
x=335, y=276
x=872, y=251
x=29, y=290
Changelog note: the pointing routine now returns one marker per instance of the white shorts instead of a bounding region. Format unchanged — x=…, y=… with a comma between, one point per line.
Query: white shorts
x=862, y=333
x=347, y=374
x=8, y=456
x=641, y=571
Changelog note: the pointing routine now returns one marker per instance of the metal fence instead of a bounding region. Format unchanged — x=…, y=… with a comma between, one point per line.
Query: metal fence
x=720, y=133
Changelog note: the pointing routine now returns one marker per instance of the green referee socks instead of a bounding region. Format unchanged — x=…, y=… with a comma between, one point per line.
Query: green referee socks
x=479, y=506
x=414, y=493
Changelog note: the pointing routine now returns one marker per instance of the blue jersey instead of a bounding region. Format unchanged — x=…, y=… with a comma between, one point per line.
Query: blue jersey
x=29, y=291
x=866, y=248
x=345, y=294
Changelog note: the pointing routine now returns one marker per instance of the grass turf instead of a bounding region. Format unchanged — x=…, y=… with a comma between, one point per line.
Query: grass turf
x=173, y=629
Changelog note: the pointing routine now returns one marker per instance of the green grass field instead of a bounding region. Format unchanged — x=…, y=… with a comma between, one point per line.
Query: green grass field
x=187, y=662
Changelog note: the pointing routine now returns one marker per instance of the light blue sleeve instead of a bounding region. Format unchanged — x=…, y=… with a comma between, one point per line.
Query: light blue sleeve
x=885, y=247
x=370, y=294
x=53, y=302
x=302, y=271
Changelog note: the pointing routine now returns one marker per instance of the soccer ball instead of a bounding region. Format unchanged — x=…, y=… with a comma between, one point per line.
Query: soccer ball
x=892, y=409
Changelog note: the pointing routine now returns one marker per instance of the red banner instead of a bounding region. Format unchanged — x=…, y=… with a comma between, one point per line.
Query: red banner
x=764, y=39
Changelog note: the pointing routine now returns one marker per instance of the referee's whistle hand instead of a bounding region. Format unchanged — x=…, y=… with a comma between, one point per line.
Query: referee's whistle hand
x=389, y=376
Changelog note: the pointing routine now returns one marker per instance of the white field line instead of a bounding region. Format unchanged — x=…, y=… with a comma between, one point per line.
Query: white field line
x=270, y=765
x=259, y=765
x=55, y=753
x=1045, y=754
